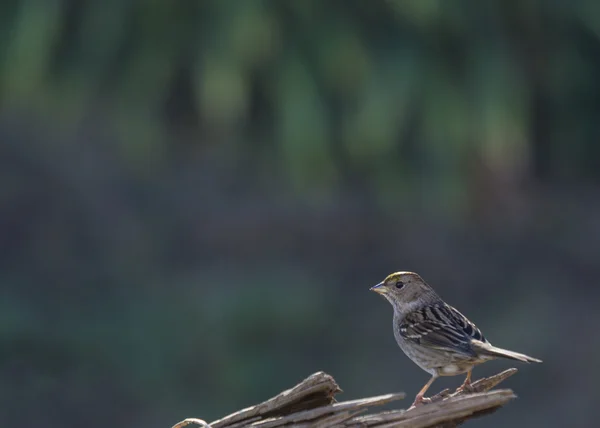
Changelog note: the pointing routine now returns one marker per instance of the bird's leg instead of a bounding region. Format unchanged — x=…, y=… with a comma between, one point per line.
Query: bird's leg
x=420, y=398
x=466, y=386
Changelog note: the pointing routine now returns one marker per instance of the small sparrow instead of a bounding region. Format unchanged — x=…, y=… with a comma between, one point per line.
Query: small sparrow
x=433, y=334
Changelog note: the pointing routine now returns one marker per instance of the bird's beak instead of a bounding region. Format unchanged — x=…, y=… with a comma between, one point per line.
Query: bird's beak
x=379, y=288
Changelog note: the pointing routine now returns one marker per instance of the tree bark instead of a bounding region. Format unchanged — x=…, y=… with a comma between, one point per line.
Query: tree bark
x=312, y=404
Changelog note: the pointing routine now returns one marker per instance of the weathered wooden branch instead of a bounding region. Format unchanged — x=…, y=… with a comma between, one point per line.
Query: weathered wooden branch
x=312, y=404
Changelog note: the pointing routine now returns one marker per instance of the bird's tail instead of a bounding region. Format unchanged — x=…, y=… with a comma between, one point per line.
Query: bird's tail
x=492, y=351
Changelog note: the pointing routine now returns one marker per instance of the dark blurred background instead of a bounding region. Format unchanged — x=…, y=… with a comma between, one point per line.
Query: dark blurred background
x=195, y=197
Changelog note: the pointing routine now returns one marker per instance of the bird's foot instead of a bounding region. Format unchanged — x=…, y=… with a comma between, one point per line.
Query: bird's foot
x=419, y=401
x=465, y=388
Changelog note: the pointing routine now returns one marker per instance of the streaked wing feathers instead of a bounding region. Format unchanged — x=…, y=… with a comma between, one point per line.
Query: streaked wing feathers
x=443, y=327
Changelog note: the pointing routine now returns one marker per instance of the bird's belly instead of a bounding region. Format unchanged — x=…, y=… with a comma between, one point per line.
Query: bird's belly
x=452, y=370
x=426, y=358
x=435, y=361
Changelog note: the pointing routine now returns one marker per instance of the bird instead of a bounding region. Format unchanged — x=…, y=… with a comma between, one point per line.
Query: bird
x=434, y=335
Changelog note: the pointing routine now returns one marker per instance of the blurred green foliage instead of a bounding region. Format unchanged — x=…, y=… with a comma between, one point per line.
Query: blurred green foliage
x=195, y=195
x=343, y=84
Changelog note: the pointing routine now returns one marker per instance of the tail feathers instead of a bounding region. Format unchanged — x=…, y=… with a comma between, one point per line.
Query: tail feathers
x=487, y=349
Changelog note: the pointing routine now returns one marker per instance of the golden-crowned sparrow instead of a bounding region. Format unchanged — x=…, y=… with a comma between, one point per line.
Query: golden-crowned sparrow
x=433, y=334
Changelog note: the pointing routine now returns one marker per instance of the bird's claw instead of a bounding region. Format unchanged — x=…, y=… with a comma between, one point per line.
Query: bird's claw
x=419, y=401
x=465, y=388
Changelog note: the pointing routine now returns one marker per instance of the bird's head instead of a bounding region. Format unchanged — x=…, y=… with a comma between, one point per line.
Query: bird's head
x=406, y=291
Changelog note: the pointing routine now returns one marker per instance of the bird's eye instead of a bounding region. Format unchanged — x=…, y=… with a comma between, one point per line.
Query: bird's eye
x=399, y=284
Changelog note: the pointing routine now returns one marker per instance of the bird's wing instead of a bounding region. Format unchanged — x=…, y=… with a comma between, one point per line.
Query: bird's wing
x=441, y=327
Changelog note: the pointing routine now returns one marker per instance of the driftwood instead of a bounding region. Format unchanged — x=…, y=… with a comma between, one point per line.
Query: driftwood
x=312, y=404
